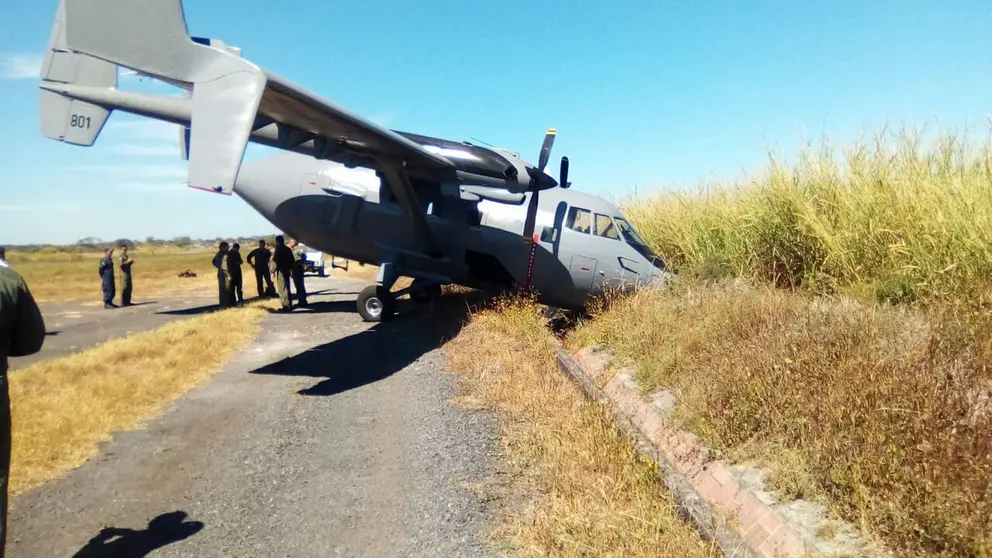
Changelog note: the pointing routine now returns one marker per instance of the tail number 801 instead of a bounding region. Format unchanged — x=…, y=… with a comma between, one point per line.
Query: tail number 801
x=79, y=121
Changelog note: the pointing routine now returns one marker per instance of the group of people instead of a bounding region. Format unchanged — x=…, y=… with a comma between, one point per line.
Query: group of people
x=107, y=276
x=285, y=261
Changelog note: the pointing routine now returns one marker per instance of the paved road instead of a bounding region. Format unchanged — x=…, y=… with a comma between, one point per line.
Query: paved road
x=326, y=437
x=75, y=326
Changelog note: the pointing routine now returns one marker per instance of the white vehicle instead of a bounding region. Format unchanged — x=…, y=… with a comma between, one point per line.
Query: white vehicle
x=314, y=262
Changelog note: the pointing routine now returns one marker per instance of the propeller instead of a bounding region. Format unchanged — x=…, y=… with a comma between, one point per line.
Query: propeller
x=534, y=186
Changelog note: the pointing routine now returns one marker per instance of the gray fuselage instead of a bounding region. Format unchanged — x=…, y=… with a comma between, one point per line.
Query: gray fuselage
x=350, y=213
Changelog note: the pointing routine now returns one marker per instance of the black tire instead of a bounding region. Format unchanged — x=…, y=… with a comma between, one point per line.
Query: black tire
x=376, y=304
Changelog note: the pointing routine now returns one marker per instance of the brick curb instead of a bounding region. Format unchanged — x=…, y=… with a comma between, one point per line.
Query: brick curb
x=706, y=492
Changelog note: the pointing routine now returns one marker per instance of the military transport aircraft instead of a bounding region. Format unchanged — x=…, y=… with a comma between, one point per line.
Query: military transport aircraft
x=438, y=211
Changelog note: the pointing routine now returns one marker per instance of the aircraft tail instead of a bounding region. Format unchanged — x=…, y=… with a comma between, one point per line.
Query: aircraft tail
x=91, y=38
x=66, y=119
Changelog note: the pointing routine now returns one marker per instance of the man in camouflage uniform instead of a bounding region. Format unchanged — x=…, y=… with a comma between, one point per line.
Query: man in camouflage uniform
x=299, y=266
x=283, y=259
x=234, y=268
x=223, y=276
x=107, y=275
x=22, y=332
x=126, y=262
x=258, y=259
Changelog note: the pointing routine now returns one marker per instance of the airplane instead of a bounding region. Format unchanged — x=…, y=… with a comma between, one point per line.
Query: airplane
x=438, y=211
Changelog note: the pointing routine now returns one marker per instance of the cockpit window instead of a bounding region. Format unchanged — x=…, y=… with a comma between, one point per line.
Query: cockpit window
x=637, y=243
x=579, y=220
x=604, y=227
x=629, y=233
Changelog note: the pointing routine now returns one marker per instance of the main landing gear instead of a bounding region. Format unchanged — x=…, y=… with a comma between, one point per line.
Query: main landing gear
x=376, y=303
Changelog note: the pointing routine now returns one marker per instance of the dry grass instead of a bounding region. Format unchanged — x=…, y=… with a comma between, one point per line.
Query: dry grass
x=880, y=413
x=852, y=353
x=893, y=220
x=62, y=408
x=55, y=277
x=590, y=493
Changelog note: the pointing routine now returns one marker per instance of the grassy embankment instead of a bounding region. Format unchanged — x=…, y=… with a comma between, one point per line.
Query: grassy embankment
x=577, y=485
x=63, y=408
x=832, y=324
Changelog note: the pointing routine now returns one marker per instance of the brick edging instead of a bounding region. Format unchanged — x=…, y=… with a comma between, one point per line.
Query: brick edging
x=705, y=491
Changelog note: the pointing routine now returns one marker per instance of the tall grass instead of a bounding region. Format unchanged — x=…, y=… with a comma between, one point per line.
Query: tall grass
x=905, y=220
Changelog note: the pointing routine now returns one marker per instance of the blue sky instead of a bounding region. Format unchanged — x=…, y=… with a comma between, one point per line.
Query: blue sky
x=650, y=93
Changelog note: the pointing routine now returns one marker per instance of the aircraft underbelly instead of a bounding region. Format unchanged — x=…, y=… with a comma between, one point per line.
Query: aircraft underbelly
x=583, y=270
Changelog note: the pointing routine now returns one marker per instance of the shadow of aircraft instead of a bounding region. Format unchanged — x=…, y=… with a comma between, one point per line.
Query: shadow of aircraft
x=378, y=352
x=113, y=542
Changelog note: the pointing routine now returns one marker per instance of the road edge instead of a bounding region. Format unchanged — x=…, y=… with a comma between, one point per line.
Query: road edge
x=706, y=493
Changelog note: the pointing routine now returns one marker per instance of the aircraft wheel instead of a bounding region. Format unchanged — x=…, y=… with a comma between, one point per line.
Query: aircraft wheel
x=375, y=303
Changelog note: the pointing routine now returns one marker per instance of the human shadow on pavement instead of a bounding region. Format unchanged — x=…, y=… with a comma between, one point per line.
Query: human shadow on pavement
x=375, y=353
x=114, y=542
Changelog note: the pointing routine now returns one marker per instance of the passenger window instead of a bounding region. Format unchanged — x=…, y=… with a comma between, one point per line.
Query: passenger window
x=604, y=227
x=579, y=220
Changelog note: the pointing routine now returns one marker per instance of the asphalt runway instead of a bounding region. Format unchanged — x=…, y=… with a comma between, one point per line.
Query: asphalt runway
x=327, y=436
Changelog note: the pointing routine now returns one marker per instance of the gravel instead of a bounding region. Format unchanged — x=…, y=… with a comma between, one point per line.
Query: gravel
x=326, y=437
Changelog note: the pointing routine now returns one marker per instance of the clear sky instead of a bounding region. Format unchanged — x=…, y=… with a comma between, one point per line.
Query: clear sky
x=652, y=93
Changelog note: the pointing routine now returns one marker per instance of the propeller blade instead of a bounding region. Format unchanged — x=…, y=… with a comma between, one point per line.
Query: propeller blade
x=549, y=140
x=563, y=173
x=531, y=216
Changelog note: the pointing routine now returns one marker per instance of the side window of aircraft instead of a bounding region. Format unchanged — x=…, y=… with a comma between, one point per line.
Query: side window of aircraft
x=579, y=220
x=604, y=227
x=549, y=235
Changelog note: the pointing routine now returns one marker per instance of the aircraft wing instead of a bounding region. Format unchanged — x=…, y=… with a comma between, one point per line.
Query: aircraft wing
x=339, y=134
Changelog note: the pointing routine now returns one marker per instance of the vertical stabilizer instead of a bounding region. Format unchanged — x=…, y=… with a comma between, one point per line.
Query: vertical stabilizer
x=62, y=118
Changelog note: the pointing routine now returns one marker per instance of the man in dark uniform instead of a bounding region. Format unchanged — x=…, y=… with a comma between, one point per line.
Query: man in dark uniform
x=107, y=275
x=258, y=259
x=283, y=258
x=3, y=255
x=234, y=269
x=223, y=276
x=298, y=269
x=22, y=333
x=126, y=262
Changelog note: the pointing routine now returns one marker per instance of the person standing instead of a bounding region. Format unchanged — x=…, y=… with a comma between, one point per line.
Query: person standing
x=3, y=256
x=223, y=276
x=234, y=268
x=107, y=275
x=126, y=262
x=258, y=259
x=283, y=259
x=299, y=266
x=22, y=333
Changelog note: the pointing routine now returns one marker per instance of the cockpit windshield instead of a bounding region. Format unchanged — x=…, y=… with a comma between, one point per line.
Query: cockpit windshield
x=638, y=243
x=629, y=233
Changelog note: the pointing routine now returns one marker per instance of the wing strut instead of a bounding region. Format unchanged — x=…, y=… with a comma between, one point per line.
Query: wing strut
x=395, y=175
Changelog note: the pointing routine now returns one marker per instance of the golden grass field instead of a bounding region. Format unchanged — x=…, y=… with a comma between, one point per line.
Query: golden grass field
x=72, y=276
x=832, y=323
x=63, y=408
x=60, y=276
